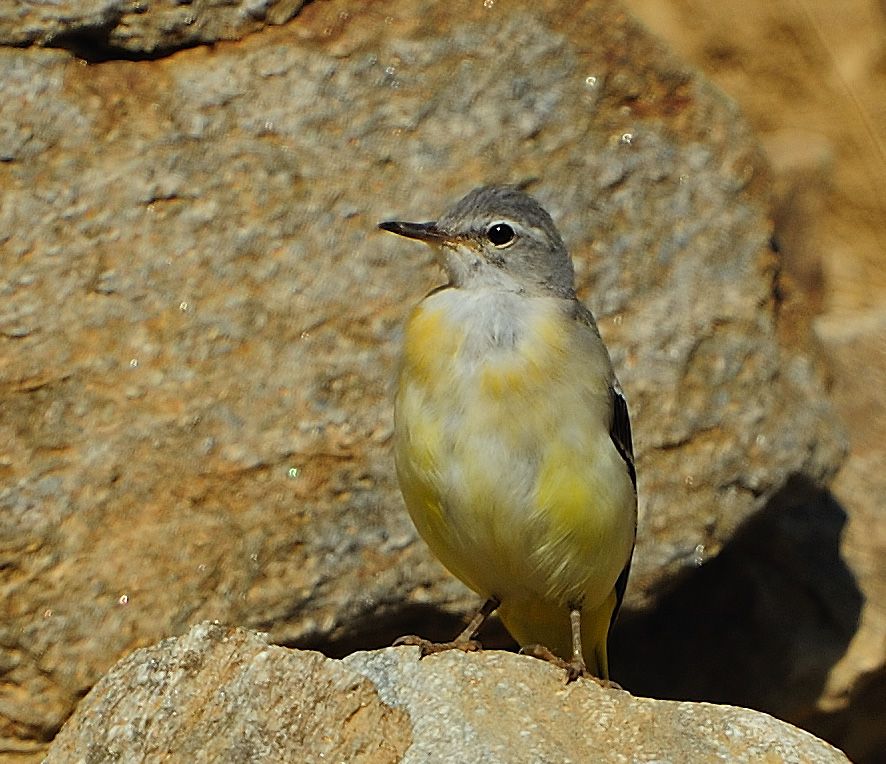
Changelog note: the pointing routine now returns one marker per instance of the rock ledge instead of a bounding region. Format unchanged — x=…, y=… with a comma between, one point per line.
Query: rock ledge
x=218, y=694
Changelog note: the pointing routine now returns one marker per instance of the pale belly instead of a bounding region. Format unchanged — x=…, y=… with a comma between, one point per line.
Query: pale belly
x=504, y=456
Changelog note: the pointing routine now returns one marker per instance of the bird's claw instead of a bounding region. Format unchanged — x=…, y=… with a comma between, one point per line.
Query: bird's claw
x=575, y=669
x=429, y=648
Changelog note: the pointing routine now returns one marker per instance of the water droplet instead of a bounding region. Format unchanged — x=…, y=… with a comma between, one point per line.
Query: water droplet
x=123, y=599
x=591, y=81
x=293, y=473
x=133, y=363
x=390, y=75
x=627, y=138
x=698, y=555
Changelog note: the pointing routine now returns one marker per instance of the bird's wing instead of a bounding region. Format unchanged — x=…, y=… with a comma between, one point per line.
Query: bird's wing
x=620, y=433
x=620, y=430
x=620, y=425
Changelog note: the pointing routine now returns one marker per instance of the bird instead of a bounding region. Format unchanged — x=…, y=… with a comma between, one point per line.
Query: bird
x=512, y=439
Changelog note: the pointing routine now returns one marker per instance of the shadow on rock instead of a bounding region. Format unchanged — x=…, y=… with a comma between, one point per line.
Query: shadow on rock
x=758, y=626
x=426, y=621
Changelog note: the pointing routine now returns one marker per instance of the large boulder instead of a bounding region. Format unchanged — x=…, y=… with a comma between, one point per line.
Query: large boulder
x=199, y=331
x=216, y=695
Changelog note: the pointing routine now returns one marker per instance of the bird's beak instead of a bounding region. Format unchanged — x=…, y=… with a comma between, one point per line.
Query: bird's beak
x=428, y=232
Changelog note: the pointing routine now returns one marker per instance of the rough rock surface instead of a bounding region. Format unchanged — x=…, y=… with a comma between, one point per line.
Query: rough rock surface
x=817, y=100
x=102, y=29
x=199, y=328
x=226, y=696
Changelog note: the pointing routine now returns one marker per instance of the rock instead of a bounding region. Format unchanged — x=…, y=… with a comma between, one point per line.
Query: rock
x=199, y=328
x=853, y=702
x=816, y=102
x=226, y=695
x=102, y=29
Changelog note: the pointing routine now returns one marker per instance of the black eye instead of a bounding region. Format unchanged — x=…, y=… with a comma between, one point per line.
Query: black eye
x=500, y=234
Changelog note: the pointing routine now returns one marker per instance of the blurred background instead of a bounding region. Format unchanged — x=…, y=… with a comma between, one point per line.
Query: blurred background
x=810, y=76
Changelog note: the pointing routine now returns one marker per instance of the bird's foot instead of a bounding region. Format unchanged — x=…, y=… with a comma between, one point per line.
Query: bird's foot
x=543, y=653
x=429, y=648
x=575, y=669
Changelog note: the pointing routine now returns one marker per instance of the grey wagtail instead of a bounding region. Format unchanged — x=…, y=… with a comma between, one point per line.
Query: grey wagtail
x=512, y=437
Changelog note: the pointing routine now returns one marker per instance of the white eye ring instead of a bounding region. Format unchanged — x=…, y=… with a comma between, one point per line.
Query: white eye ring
x=501, y=235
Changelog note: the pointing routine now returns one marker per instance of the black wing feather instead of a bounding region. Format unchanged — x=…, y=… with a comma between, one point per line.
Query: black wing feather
x=620, y=432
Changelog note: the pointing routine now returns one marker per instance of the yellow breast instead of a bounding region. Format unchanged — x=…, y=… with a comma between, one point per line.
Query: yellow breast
x=503, y=450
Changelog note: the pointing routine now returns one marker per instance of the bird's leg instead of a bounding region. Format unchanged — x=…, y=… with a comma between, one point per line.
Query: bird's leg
x=577, y=666
x=574, y=668
x=464, y=641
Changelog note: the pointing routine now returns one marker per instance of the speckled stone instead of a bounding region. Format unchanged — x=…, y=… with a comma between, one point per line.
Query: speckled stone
x=226, y=696
x=199, y=322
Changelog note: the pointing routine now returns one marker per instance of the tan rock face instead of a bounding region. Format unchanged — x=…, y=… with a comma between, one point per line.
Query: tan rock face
x=816, y=99
x=219, y=695
x=225, y=695
x=199, y=330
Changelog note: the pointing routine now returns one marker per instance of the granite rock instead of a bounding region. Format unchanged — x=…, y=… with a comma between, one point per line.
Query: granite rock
x=816, y=101
x=199, y=328
x=103, y=29
x=227, y=696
